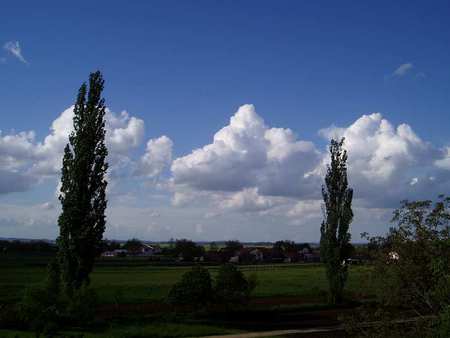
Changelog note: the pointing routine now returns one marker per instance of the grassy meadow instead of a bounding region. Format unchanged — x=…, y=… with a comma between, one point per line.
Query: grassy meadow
x=131, y=294
x=132, y=283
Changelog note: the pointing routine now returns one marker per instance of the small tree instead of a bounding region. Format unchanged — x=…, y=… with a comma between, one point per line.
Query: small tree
x=231, y=287
x=233, y=246
x=133, y=246
x=82, y=221
x=194, y=288
x=188, y=250
x=335, y=237
x=412, y=267
x=411, y=271
x=285, y=246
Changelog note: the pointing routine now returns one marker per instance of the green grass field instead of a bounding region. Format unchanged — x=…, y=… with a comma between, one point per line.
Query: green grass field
x=143, y=284
x=281, y=287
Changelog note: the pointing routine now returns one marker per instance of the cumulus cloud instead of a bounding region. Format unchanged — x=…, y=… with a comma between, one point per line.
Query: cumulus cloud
x=388, y=163
x=444, y=162
x=251, y=167
x=14, y=48
x=157, y=157
x=249, y=173
x=245, y=154
x=25, y=161
x=123, y=132
x=403, y=69
x=247, y=200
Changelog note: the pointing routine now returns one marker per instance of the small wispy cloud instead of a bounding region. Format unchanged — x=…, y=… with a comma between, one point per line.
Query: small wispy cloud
x=403, y=69
x=14, y=48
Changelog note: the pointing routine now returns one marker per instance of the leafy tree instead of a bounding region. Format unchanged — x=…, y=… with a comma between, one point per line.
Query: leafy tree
x=194, y=288
x=133, y=245
x=285, y=246
x=232, y=287
x=213, y=247
x=230, y=249
x=335, y=237
x=188, y=249
x=233, y=246
x=412, y=267
x=411, y=272
x=82, y=221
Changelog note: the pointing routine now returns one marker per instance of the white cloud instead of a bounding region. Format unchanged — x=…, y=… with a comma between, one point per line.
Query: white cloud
x=14, y=48
x=123, y=132
x=444, y=162
x=245, y=154
x=253, y=181
x=25, y=161
x=248, y=164
x=306, y=209
x=158, y=156
x=403, y=69
x=247, y=200
x=384, y=160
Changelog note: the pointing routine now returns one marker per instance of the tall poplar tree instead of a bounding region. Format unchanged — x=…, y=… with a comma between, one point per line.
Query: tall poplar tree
x=82, y=221
x=335, y=244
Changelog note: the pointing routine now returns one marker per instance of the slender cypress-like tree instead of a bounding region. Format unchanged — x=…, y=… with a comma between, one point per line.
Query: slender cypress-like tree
x=82, y=221
x=335, y=237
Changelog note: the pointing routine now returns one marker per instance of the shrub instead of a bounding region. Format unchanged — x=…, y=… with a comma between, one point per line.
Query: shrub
x=194, y=288
x=443, y=327
x=412, y=268
x=45, y=308
x=9, y=317
x=231, y=287
x=38, y=311
x=80, y=308
x=40, y=307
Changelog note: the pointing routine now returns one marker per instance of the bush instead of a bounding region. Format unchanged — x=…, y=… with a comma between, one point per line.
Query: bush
x=38, y=311
x=80, y=308
x=45, y=308
x=443, y=327
x=412, y=266
x=194, y=288
x=9, y=317
x=231, y=287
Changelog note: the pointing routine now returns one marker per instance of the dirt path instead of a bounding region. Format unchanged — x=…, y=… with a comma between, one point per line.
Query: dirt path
x=329, y=331
x=281, y=333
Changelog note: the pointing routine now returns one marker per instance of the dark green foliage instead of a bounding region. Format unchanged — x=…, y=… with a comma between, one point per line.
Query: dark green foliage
x=213, y=247
x=233, y=246
x=187, y=250
x=419, y=275
x=230, y=249
x=41, y=307
x=335, y=237
x=133, y=245
x=285, y=246
x=443, y=325
x=45, y=309
x=80, y=308
x=41, y=247
x=83, y=185
x=231, y=287
x=38, y=312
x=411, y=272
x=194, y=289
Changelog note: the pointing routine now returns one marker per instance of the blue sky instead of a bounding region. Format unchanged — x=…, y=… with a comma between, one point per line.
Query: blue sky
x=185, y=67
